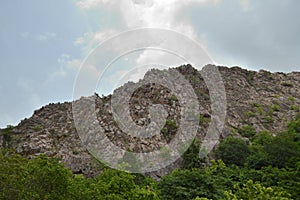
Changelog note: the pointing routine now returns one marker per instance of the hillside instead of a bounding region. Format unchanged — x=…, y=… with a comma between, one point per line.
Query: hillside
x=256, y=101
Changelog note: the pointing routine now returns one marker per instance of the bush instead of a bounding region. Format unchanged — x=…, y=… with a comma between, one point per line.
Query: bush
x=247, y=131
x=7, y=136
x=250, y=114
x=283, y=150
x=191, y=156
x=253, y=191
x=189, y=184
x=38, y=178
x=233, y=151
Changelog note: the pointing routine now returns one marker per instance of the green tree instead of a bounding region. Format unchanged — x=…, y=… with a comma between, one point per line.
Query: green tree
x=283, y=150
x=255, y=191
x=294, y=125
x=189, y=184
x=38, y=178
x=47, y=179
x=247, y=131
x=191, y=156
x=233, y=151
x=13, y=175
x=80, y=187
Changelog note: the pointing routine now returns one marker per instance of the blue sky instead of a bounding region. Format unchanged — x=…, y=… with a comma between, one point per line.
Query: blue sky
x=43, y=43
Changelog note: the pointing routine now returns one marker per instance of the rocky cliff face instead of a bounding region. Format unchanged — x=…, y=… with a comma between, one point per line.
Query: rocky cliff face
x=262, y=100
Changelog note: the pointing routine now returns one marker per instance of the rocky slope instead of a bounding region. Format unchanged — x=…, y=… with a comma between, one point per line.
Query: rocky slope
x=262, y=100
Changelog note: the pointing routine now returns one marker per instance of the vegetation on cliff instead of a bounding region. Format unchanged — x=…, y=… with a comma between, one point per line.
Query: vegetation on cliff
x=265, y=167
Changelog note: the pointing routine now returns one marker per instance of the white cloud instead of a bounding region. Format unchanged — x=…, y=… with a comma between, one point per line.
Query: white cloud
x=39, y=36
x=66, y=64
x=45, y=36
x=91, y=39
x=165, y=14
x=89, y=4
x=160, y=57
x=79, y=41
x=158, y=14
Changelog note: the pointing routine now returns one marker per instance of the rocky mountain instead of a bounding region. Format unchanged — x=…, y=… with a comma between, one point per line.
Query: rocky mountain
x=256, y=101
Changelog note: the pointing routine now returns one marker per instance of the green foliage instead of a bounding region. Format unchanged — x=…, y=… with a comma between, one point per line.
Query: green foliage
x=269, y=119
x=294, y=126
x=189, y=184
x=288, y=179
x=37, y=127
x=127, y=160
x=45, y=178
x=75, y=152
x=291, y=98
x=259, y=108
x=294, y=107
x=203, y=120
x=171, y=124
x=7, y=135
x=173, y=98
x=202, y=198
x=268, y=168
x=169, y=129
x=247, y=131
x=256, y=105
x=262, y=138
x=283, y=150
x=268, y=75
x=250, y=114
x=250, y=77
x=191, y=156
x=233, y=151
x=258, y=158
x=255, y=191
x=112, y=184
x=280, y=151
x=12, y=171
x=37, y=178
x=287, y=84
x=275, y=107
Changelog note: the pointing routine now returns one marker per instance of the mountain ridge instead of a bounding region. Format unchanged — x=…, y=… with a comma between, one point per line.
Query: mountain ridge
x=262, y=100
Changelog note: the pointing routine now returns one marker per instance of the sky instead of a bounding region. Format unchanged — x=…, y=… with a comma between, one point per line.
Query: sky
x=44, y=43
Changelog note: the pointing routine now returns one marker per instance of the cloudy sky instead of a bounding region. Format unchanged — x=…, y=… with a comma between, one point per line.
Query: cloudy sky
x=43, y=43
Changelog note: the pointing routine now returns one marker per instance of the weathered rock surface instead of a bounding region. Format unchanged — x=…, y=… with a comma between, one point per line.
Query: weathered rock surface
x=263, y=100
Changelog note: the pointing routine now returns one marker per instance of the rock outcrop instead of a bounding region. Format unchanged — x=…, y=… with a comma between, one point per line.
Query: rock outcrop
x=262, y=100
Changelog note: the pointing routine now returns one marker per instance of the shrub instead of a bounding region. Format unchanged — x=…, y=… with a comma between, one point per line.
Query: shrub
x=7, y=135
x=203, y=120
x=233, y=151
x=251, y=190
x=191, y=156
x=250, y=114
x=292, y=99
x=275, y=107
x=247, y=131
x=269, y=119
x=37, y=127
x=287, y=84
